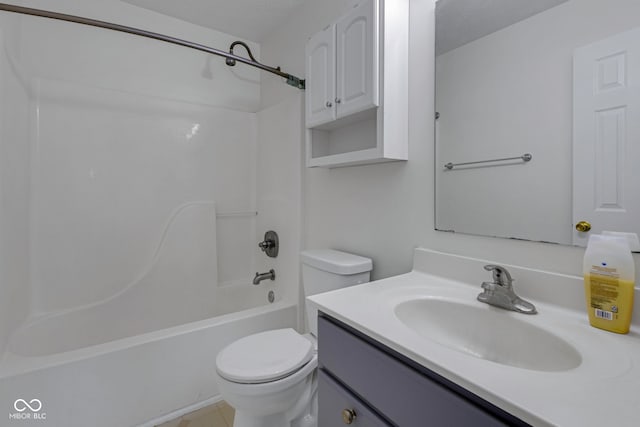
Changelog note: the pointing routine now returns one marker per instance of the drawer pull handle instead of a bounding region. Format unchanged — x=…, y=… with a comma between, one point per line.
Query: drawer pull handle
x=348, y=416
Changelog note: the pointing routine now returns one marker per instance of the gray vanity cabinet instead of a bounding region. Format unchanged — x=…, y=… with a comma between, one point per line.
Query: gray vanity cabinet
x=383, y=388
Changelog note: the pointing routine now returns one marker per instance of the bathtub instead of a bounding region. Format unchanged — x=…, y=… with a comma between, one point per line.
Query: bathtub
x=58, y=374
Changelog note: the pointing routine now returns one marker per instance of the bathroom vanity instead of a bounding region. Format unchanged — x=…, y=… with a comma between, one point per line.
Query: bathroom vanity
x=367, y=383
x=419, y=350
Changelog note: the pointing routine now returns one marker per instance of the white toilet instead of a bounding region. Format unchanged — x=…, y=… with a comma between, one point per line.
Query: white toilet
x=270, y=377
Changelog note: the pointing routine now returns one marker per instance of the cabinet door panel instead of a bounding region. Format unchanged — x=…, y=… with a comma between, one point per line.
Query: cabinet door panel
x=357, y=59
x=320, y=77
x=333, y=399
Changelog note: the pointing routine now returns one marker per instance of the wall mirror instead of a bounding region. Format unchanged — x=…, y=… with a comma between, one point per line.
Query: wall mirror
x=554, y=87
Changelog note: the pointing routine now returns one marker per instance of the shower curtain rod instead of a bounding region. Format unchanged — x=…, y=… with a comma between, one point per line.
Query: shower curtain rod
x=291, y=79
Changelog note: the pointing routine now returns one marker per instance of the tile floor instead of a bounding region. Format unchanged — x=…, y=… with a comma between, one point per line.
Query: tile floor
x=217, y=415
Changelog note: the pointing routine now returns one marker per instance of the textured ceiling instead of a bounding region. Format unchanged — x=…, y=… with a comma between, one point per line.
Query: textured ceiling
x=248, y=19
x=459, y=22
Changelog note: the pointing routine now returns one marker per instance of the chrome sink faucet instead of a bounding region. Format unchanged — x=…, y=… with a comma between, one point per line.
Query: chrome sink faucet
x=500, y=292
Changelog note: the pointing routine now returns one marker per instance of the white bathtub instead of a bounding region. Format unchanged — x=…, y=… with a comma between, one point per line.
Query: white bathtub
x=107, y=379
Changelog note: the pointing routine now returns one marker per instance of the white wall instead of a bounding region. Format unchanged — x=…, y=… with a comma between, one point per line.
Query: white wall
x=476, y=88
x=386, y=210
x=14, y=186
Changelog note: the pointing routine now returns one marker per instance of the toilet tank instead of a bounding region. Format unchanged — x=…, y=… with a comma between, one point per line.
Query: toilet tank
x=325, y=270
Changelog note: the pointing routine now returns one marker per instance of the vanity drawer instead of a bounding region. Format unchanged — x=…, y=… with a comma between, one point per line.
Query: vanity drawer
x=402, y=393
x=333, y=400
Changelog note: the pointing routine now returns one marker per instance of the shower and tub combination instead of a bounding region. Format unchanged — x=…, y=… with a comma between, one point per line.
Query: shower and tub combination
x=129, y=221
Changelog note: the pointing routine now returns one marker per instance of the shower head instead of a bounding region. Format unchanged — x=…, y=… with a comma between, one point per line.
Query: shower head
x=232, y=62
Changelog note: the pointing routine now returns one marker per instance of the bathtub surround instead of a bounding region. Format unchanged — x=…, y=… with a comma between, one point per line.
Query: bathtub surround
x=131, y=210
x=112, y=109
x=93, y=210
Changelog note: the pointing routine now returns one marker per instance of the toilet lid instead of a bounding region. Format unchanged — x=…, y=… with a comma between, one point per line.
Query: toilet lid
x=263, y=357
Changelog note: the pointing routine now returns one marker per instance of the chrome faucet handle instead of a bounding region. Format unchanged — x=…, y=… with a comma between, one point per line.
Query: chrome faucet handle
x=489, y=287
x=266, y=244
x=500, y=292
x=270, y=244
x=501, y=275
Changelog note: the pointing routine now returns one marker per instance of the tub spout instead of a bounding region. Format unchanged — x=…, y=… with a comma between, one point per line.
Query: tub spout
x=264, y=276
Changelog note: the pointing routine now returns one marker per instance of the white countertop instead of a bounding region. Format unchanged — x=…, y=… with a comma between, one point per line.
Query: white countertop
x=603, y=390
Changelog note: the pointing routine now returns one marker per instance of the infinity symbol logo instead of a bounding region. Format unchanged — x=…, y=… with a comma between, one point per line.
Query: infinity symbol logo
x=21, y=405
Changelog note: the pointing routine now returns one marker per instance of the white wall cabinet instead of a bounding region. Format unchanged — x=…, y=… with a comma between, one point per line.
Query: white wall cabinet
x=342, y=63
x=357, y=91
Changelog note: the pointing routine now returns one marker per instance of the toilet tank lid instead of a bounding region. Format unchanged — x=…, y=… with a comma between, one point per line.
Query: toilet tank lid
x=337, y=262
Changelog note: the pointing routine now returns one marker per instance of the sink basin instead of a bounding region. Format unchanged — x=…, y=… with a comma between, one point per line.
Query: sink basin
x=487, y=333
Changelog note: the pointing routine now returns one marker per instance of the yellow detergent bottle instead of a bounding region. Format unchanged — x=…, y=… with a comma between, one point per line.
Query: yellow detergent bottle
x=609, y=275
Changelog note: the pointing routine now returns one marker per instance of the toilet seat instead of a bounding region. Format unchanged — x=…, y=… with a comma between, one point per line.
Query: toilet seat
x=264, y=357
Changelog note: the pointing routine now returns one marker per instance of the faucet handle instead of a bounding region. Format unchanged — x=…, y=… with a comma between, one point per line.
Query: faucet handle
x=270, y=244
x=489, y=287
x=501, y=275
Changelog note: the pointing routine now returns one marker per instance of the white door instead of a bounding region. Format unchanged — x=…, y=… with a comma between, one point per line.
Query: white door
x=606, y=135
x=320, y=77
x=357, y=59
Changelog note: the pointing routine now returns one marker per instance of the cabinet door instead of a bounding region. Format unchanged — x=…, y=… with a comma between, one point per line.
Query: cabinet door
x=320, y=77
x=357, y=59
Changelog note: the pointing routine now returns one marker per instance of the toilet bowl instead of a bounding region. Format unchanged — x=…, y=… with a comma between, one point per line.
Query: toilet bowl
x=270, y=377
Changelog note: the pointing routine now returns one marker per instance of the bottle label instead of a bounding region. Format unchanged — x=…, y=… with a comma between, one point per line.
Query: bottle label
x=604, y=294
